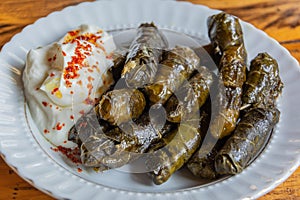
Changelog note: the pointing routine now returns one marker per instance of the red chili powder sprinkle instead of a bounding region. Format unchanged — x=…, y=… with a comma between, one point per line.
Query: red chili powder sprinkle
x=45, y=103
x=54, y=90
x=52, y=74
x=63, y=53
x=81, y=112
x=71, y=92
x=72, y=117
x=89, y=101
x=89, y=86
x=72, y=154
x=65, y=142
x=79, y=82
x=59, y=126
x=79, y=170
x=46, y=131
x=90, y=79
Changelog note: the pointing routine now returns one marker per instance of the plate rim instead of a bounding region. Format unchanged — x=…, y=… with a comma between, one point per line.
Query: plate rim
x=287, y=174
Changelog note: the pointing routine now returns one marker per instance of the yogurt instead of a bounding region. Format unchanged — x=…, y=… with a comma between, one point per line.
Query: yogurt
x=63, y=80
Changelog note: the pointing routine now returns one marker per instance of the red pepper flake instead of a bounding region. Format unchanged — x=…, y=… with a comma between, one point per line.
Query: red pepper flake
x=71, y=92
x=52, y=74
x=59, y=126
x=90, y=70
x=46, y=131
x=56, y=107
x=50, y=105
x=73, y=33
x=45, y=103
x=37, y=88
x=65, y=142
x=49, y=59
x=89, y=86
x=79, y=82
x=90, y=79
x=71, y=153
x=109, y=56
x=54, y=149
x=54, y=90
x=89, y=101
x=72, y=117
x=81, y=112
x=63, y=53
x=79, y=170
x=54, y=58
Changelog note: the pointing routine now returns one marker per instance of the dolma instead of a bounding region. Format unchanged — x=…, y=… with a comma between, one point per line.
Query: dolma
x=144, y=55
x=122, y=105
x=226, y=35
x=202, y=162
x=181, y=143
x=119, y=59
x=132, y=139
x=263, y=84
x=88, y=133
x=195, y=91
x=248, y=139
x=177, y=66
x=224, y=31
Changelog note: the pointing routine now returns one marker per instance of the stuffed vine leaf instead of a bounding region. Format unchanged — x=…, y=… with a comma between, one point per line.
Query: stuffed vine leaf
x=263, y=84
x=176, y=67
x=248, y=139
x=144, y=55
x=227, y=38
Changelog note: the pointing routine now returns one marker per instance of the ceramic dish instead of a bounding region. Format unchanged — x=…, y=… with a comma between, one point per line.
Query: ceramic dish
x=27, y=152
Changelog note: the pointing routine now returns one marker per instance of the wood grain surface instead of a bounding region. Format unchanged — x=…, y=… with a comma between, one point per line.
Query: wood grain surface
x=278, y=18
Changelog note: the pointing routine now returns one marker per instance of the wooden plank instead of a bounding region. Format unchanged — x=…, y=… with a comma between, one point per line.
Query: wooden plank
x=278, y=18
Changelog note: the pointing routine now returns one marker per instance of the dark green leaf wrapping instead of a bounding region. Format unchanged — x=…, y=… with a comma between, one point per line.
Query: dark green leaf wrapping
x=263, y=84
x=144, y=55
x=202, y=162
x=119, y=106
x=226, y=36
x=180, y=143
x=140, y=134
x=248, y=139
x=224, y=31
x=177, y=66
x=119, y=58
x=190, y=96
x=88, y=133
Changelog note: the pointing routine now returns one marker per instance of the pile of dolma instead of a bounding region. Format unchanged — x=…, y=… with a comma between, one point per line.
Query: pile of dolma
x=160, y=106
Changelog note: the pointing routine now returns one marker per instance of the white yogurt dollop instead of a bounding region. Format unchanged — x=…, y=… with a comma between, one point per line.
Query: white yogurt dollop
x=63, y=80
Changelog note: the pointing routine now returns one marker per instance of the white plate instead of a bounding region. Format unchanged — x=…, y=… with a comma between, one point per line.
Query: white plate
x=25, y=150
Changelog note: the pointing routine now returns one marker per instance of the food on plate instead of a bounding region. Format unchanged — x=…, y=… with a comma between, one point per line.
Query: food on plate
x=153, y=102
x=167, y=160
x=249, y=137
x=177, y=66
x=62, y=80
x=203, y=160
x=121, y=105
x=263, y=84
x=144, y=55
x=106, y=147
x=190, y=95
x=226, y=36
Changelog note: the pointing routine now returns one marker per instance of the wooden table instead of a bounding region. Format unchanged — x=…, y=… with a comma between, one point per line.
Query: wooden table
x=279, y=18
